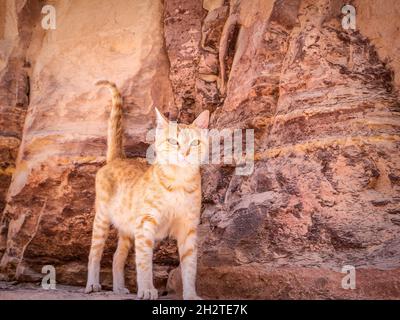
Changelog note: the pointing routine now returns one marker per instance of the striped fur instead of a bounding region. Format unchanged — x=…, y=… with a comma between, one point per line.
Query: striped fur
x=115, y=130
x=147, y=203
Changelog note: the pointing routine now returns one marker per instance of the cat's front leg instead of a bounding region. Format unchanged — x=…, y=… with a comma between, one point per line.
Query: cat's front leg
x=187, y=245
x=144, y=243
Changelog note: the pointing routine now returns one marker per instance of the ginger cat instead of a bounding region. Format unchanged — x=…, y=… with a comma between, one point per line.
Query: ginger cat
x=147, y=202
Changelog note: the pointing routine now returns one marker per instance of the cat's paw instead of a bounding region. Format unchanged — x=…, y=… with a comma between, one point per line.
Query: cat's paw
x=121, y=290
x=147, y=294
x=93, y=287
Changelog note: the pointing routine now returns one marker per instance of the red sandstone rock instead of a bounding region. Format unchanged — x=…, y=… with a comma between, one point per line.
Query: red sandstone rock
x=323, y=102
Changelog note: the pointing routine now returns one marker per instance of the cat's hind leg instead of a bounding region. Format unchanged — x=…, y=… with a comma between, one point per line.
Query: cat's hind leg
x=144, y=243
x=120, y=255
x=101, y=227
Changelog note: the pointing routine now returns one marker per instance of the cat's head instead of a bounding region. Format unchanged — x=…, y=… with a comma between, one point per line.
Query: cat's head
x=181, y=144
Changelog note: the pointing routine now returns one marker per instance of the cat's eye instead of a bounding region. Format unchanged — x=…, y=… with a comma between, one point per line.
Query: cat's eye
x=195, y=143
x=173, y=142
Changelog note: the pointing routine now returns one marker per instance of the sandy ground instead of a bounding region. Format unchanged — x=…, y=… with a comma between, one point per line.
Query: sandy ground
x=28, y=291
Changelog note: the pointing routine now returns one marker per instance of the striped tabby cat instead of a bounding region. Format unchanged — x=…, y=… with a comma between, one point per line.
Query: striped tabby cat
x=147, y=202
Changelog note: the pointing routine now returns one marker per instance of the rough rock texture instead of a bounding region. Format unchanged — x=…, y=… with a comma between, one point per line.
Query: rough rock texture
x=14, y=85
x=182, y=30
x=323, y=103
x=377, y=22
x=30, y=291
x=49, y=211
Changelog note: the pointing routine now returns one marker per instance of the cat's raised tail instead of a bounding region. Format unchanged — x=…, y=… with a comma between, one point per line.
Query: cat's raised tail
x=115, y=131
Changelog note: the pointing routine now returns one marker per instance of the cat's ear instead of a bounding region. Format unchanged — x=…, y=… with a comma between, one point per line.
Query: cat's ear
x=162, y=122
x=202, y=120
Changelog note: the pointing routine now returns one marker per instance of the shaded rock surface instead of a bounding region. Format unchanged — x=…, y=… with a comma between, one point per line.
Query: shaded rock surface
x=323, y=103
x=30, y=291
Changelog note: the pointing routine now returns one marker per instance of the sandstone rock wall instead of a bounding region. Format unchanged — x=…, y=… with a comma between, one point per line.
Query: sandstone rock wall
x=50, y=200
x=323, y=103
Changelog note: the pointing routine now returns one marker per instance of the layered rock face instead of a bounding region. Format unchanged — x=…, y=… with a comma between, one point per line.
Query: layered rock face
x=49, y=211
x=322, y=101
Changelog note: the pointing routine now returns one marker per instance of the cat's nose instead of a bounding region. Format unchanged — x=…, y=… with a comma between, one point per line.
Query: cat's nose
x=186, y=152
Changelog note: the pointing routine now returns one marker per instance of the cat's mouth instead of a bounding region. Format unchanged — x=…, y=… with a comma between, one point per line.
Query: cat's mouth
x=184, y=161
x=180, y=160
